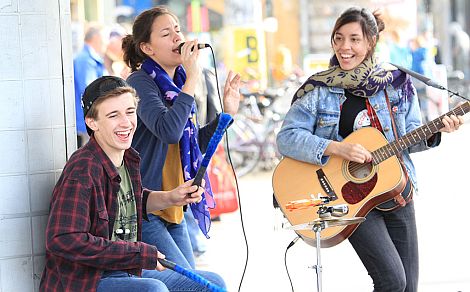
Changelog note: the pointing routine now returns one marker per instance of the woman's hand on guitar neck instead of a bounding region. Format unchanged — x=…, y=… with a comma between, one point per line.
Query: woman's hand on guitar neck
x=349, y=151
x=451, y=123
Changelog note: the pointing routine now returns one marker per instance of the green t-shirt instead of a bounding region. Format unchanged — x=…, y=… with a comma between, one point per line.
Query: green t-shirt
x=125, y=224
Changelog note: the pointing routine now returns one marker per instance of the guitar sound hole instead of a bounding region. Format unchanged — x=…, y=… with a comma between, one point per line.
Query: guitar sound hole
x=359, y=170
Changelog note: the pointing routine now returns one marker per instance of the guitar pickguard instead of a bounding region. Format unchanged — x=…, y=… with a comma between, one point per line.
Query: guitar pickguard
x=354, y=193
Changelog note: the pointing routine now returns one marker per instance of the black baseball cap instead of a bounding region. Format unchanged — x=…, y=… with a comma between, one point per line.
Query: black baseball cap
x=98, y=88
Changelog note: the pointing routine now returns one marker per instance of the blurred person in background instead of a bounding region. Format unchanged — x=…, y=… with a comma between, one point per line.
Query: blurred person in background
x=282, y=65
x=88, y=65
x=114, y=56
x=421, y=62
x=168, y=137
x=355, y=92
x=460, y=43
x=206, y=97
x=399, y=52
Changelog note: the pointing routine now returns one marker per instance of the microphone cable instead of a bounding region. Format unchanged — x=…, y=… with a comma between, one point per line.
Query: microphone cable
x=291, y=244
x=234, y=173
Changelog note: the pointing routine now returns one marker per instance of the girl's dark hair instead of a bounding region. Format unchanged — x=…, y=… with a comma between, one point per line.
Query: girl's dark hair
x=141, y=30
x=370, y=22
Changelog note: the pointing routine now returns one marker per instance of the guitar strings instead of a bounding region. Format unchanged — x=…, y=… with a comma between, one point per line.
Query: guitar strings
x=359, y=166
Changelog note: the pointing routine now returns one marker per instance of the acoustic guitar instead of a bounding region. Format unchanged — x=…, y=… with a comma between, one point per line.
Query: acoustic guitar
x=360, y=186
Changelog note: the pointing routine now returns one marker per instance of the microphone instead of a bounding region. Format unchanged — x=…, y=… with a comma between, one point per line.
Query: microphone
x=420, y=77
x=199, y=46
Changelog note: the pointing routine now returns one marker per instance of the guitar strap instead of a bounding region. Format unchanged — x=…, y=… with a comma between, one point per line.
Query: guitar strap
x=391, y=117
x=402, y=199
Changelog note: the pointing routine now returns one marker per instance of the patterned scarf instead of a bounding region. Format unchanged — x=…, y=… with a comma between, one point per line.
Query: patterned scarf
x=365, y=80
x=190, y=153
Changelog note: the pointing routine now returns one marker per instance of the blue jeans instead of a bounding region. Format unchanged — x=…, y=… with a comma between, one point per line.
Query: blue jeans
x=154, y=281
x=171, y=239
x=387, y=244
x=195, y=234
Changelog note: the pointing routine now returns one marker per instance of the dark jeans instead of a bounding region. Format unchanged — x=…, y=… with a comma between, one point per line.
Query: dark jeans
x=387, y=244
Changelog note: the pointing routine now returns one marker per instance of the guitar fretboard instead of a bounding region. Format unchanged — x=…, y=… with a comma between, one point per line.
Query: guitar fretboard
x=420, y=134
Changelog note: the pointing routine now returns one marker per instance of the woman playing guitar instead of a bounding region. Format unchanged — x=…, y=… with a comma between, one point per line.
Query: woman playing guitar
x=358, y=91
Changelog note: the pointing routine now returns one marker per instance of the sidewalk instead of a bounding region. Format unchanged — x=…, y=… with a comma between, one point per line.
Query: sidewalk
x=442, y=218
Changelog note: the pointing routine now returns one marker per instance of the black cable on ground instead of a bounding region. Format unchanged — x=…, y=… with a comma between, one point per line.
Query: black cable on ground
x=285, y=260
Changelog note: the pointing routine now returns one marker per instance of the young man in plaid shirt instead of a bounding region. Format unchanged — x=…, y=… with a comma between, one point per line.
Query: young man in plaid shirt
x=94, y=229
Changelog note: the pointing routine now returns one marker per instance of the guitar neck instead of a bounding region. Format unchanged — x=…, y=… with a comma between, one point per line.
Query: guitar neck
x=420, y=134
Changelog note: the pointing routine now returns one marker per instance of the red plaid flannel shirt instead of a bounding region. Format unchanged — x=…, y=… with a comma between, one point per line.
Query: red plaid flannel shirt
x=81, y=218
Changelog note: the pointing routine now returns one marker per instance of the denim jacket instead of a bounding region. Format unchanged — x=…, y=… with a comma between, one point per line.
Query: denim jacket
x=313, y=122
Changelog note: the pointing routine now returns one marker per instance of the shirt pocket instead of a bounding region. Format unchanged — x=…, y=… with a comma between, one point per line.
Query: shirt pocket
x=326, y=124
x=101, y=226
x=103, y=215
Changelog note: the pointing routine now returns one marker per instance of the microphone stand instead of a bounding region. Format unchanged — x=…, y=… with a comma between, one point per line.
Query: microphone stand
x=317, y=228
x=323, y=212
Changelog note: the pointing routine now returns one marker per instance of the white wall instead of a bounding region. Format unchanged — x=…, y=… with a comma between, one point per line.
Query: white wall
x=37, y=130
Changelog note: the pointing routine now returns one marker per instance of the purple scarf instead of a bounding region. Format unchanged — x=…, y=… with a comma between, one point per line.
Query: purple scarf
x=190, y=153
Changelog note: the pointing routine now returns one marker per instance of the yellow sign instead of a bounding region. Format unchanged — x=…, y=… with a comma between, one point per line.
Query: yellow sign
x=245, y=53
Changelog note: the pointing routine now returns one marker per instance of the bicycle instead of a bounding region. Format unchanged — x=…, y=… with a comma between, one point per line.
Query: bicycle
x=252, y=136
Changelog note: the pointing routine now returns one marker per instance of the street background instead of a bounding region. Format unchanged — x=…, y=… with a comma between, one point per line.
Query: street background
x=442, y=211
x=273, y=44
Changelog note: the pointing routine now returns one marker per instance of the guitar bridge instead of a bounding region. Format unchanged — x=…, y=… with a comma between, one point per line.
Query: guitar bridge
x=326, y=186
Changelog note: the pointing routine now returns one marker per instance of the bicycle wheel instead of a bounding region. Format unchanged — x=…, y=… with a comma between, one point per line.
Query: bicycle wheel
x=244, y=148
x=270, y=155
